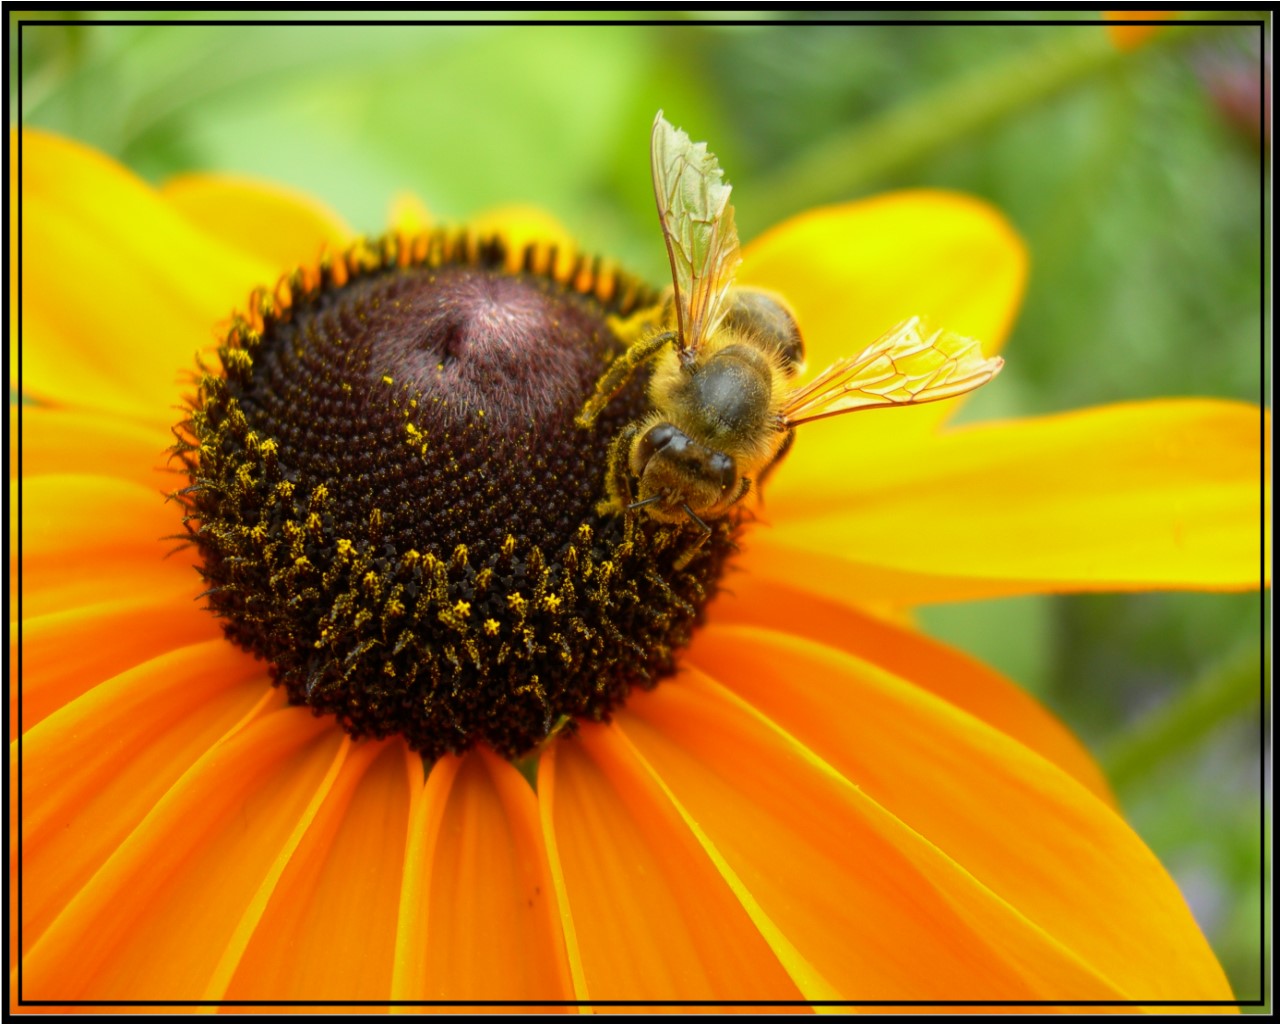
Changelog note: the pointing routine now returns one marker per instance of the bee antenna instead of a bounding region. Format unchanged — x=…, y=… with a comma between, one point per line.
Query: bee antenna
x=706, y=530
x=647, y=501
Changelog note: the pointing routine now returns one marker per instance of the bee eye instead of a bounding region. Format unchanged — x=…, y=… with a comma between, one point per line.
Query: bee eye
x=658, y=437
x=722, y=470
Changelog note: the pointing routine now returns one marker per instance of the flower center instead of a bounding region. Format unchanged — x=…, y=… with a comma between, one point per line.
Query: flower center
x=394, y=507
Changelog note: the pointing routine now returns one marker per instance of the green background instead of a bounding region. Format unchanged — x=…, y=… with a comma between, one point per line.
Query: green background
x=1135, y=178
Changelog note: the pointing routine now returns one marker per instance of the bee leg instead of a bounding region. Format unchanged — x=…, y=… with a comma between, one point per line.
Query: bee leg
x=619, y=372
x=618, y=474
x=704, y=531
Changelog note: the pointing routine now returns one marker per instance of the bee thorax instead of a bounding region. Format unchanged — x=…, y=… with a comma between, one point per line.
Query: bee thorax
x=728, y=397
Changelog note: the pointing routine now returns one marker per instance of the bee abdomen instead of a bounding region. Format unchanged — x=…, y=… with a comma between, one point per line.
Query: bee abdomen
x=767, y=319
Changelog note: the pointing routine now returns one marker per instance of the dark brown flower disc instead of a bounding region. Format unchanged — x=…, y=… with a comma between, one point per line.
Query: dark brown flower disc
x=395, y=509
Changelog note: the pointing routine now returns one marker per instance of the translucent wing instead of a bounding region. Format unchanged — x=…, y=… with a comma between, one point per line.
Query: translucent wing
x=697, y=225
x=903, y=367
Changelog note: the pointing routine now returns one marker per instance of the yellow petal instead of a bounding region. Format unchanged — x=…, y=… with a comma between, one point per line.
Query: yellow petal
x=119, y=290
x=273, y=225
x=867, y=901
x=334, y=890
x=95, y=768
x=477, y=917
x=754, y=599
x=1124, y=497
x=522, y=225
x=153, y=922
x=518, y=224
x=1068, y=863
x=409, y=214
x=652, y=918
x=852, y=272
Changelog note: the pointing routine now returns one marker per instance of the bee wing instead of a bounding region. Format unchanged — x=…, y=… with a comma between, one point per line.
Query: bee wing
x=697, y=225
x=903, y=367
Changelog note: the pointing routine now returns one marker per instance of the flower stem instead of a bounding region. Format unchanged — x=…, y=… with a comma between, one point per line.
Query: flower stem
x=1228, y=689
x=884, y=146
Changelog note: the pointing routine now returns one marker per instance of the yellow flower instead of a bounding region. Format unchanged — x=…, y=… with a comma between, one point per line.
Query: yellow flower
x=819, y=805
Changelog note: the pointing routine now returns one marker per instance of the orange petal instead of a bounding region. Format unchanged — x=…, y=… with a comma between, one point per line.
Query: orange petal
x=71, y=441
x=274, y=225
x=1125, y=497
x=333, y=890
x=1130, y=37
x=1072, y=896
x=92, y=770
x=755, y=599
x=154, y=921
x=852, y=272
x=652, y=917
x=67, y=653
x=477, y=916
x=68, y=649
x=84, y=538
x=119, y=290
x=864, y=899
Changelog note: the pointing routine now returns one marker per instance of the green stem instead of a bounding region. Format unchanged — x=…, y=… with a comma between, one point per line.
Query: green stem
x=1229, y=689
x=878, y=149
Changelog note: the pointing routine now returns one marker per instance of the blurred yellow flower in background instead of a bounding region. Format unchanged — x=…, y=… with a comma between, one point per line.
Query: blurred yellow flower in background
x=822, y=804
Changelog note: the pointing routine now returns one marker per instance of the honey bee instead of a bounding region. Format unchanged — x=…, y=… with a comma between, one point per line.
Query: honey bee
x=723, y=390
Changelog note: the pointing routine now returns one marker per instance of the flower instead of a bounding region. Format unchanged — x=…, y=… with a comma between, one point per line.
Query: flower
x=821, y=804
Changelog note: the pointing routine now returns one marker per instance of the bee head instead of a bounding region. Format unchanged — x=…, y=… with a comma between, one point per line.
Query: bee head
x=671, y=465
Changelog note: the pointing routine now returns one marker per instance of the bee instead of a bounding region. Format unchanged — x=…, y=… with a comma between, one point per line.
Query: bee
x=723, y=390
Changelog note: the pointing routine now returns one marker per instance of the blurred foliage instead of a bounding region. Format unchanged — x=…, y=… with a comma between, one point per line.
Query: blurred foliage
x=1135, y=178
